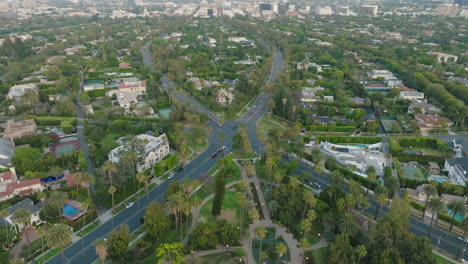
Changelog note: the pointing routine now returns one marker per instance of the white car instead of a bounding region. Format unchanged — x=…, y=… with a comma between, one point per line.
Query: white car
x=170, y=175
x=130, y=204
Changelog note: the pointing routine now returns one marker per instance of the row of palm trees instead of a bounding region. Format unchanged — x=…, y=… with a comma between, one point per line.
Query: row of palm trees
x=281, y=248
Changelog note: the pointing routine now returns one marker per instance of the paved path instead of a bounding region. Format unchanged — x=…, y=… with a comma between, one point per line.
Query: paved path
x=33, y=236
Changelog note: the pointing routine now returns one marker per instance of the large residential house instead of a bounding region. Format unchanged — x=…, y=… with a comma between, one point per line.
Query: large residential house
x=155, y=149
x=411, y=95
x=7, y=148
x=428, y=122
x=16, y=92
x=24, y=204
x=129, y=92
x=457, y=170
x=138, y=86
x=309, y=94
x=374, y=74
x=225, y=96
x=13, y=130
x=424, y=107
x=10, y=186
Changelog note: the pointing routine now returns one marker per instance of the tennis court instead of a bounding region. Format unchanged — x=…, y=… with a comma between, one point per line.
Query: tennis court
x=413, y=173
x=65, y=146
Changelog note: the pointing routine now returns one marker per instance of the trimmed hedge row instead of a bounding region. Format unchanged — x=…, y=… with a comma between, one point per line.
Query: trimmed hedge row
x=448, y=218
x=349, y=175
x=334, y=129
x=341, y=139
x=417, y=206
x=52, y=120
x=159, y=106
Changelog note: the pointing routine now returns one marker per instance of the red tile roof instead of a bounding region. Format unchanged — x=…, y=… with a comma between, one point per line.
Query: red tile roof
x=6, y=176
x=126, y=85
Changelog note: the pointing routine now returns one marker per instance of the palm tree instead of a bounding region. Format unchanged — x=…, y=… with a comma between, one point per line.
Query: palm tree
x=254, y=215
x=59, y=236
x=112, y=191
x=242, y=201
x=348, y=224
x=464, y=226
x=22, y=216
x=101, y=249
x=381, y=200
x=86, y=180
x=437, y=206
x=281, y=248
x=172, y=204
x=371, y=176
x=57, y=200
x=304, y=245
x=42, y=231
x=318, y=170
x=85, y=207
x=361, y=251
x=458, y=208
x=142, y=178
x=131, y=158
x=284, y=104
x=4, y=213
x=336, y=178
x=430, y=190
x=77, y=178
x=42, y=196
x=261, y=232
x=108, y=168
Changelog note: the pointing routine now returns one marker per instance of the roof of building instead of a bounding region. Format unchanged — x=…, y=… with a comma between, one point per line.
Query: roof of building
x=6, y=176
x=462, y=161
x=125, y=85
x=24, y=204
x=433, y=165
x=6, y=152
x=451, y=197
x=432, y=118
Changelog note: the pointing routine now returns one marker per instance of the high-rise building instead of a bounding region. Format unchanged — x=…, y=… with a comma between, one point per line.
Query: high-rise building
x=341, y=10
x=29, y=4
x=461, y=3
x=369, y=10
x=447, y=10
x=324, y=10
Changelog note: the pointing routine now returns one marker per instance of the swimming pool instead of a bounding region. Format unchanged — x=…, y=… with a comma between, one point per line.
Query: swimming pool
x=69, y=210
x=457, y=217
x=165, y=112
x=362, y=146
x=440, y=179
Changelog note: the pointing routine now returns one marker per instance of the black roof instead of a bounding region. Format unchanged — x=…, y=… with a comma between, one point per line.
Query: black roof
x=462, y=161
x=24, y=204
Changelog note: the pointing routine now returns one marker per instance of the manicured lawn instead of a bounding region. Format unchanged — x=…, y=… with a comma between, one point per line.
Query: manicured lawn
x=192, y=143
x=230, y=209
x=442, y=260
x=204, y=191
x=431, y=151
x=89, y=228
x=225, y=258
x=48, y=255
x=266, y=125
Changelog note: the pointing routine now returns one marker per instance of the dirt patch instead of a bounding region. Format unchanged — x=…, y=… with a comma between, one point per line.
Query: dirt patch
x=229, y=215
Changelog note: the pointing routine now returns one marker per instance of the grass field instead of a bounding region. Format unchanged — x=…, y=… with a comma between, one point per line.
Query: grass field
x=266, y=125
x=320, y=255
x=442, y=260
x=225, y=258
x=230, y=209
x=192, y=143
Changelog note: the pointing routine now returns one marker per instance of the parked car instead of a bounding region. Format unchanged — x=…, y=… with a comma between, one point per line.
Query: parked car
x=214, y=155
x=170, y=175
x=130, y=204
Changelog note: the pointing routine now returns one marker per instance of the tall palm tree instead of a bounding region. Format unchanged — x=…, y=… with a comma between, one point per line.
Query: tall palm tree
x=436, y=205
x=42, y=231
x=112, y=191
x=430, y=190
x=59, y=236
x=172, y=204
x=131, y=158
x=336, y=178
x=281, y=248
x=261, y=232
x=57, y=200
x=109, y=168
x=22, y=216
x=371, y=176
x=77, y=178
x=86, y=180
x=348, y=224
x=101, y=249
x=318, y=170
x=42, y=196
x=458, y=208
x=242, y=201
x=142, y=178
x=254, y=215
x=85, y=207
x=381, y=200
x=4, y=213
x=464, y=226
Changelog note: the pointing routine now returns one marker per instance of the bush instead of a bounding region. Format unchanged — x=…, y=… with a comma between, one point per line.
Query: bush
x=335, y=129
x=417, y=206
x=51, y=120
x=353, y=176
x=448, y=218
x=338, y=139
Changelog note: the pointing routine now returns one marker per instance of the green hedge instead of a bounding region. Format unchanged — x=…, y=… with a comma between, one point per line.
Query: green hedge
x=353, y=176
x=52, y=120
x=398, y=144
x=159, y=106
x=340, y=139
x=335, y=129
x=448, y=218
x=417, y=206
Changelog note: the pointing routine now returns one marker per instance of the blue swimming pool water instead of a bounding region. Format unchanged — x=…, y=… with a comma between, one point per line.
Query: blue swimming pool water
x=69, y=210
x=457, y=217
x=362, y=146
x=438, y=179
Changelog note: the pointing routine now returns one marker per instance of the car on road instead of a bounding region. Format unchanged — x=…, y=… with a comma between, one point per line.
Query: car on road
x=463, y=239
x=170, y=175
x=129, y=205
x=219, y=125
x=214, y=155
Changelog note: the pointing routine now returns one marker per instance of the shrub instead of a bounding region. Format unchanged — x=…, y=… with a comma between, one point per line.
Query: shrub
x=340, y=139
x=417, y=206
x=448, y=218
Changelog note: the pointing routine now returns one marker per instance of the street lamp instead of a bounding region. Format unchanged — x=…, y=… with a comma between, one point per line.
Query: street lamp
x=191, y=251
x=438, y=242
x=227, y=248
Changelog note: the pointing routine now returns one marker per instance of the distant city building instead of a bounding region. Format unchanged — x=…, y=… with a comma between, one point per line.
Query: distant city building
x=324, y=10
x=374, y=74
x=447, y=10
x=341, y=10
x=369, y=10
x=444, y=57
x=411, y=95
x=29, y=4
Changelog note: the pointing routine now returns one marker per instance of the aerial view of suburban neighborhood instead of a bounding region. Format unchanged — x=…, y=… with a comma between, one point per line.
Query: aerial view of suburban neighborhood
x=234, y=131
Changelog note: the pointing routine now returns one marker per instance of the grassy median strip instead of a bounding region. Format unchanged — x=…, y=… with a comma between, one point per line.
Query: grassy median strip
x=89, y=228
